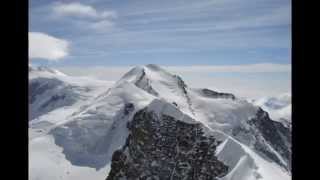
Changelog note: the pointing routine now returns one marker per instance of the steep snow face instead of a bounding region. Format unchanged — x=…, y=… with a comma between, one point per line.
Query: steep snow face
x=279, y=107
x=48, y=94
x=245, y=164
x=221, y=113
x=91, y=135
x=53, y=98
x=161, y=84
x=47, y=161
x=243, y=121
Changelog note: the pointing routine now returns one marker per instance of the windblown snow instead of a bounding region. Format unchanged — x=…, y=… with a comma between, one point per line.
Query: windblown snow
x=76, y=123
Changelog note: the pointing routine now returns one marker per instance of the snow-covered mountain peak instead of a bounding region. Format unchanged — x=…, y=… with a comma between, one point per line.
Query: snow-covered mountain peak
x=160, y=83
x=149, y=71
x=90, y=121
x=154, y=67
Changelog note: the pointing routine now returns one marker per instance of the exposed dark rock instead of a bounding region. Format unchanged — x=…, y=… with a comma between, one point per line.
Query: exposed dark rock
x=175, y=104
x=181, y=83
x=183, y=87
x=276, y=134
x=270, y=139
x=143, y=83
x=53, y=100
x=163, y=148
x=214, y=94
x=129, y=107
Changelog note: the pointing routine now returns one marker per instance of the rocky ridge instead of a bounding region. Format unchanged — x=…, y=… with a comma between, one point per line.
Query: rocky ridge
x=163, y=147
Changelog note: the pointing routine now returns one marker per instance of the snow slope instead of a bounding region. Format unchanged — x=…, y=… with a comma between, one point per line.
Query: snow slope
x=50, y=89
x=47, y=161
x=246, y=164
x=46, y=158
x=90, y=137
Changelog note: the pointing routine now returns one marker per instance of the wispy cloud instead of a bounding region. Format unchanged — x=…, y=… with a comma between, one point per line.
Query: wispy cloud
x=80, y=10
x=102, y=26
x=197, y=32
x=44, y=46
x=87, y=16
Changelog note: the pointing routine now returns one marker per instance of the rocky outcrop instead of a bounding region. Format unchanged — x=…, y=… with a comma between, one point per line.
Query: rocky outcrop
x=270, y=139
x=144, y=83
x=161, y=147
x=182, y=85
x=275, y=134
x=213, y=94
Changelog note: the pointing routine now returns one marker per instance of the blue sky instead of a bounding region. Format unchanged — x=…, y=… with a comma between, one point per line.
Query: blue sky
x=125, y=33
x=169, y=32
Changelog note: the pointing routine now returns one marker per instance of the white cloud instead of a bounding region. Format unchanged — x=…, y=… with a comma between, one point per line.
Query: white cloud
x=109, y=14
x=47, y=47
x=87, y=16
x=102, y=25
x=80, y=10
